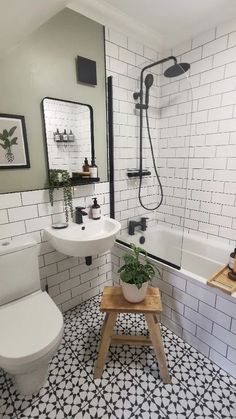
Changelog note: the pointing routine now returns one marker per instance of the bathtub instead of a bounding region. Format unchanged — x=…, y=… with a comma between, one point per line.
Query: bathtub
x=194, y=256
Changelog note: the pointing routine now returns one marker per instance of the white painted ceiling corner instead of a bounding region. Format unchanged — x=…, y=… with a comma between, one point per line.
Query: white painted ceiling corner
x=110, y=16
x=19, y=18
x=161, y=24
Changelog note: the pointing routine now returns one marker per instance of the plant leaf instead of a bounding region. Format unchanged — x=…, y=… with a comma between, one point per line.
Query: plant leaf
x=134, y=271
x=13, y=141
x=11, y=131
x=4, y=146
x=5, y=133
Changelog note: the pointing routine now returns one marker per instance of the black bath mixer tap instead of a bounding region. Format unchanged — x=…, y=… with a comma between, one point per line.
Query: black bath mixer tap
x=132, y=224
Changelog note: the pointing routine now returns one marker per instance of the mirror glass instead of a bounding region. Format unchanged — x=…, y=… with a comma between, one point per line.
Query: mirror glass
x=69, y=134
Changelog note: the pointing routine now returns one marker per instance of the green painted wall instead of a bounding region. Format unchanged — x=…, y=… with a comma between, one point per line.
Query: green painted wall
x=44, y=65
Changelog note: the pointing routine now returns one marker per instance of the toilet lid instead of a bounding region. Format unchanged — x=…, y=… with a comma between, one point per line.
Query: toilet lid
x=29, y=327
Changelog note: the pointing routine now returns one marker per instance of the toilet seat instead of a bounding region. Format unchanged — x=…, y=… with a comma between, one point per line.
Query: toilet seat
x=29, y=328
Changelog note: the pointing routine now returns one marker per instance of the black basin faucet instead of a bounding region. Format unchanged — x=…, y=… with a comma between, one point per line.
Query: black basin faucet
x=132, y=224
x=79, y=215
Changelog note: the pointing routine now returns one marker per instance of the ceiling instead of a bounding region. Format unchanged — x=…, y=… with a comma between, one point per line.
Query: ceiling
x=177, y=20
x=19, y=18
x=164, y=23
x=158, y=23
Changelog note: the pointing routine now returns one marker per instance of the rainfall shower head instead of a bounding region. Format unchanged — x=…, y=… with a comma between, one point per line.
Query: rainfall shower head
x=173, y=71
x=176, y=69
x=148, y=83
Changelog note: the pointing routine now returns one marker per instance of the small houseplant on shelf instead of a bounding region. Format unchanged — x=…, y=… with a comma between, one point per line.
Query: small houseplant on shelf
x=61, y=179
x=135, y=275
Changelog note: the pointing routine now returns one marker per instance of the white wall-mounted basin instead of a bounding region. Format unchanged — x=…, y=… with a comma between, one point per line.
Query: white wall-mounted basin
x=91, y=238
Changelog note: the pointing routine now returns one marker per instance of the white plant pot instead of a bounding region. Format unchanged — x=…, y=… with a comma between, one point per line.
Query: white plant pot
x=132, y=293
x=59, y=177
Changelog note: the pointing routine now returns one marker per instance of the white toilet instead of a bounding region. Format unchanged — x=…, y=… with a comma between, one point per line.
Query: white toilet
x=31, y=325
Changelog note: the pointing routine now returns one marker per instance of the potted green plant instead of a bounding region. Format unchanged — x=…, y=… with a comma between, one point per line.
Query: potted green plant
x=61, y=179
x=135, y=275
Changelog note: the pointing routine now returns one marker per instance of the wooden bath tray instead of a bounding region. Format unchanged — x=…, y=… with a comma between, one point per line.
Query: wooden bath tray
x=221, y=280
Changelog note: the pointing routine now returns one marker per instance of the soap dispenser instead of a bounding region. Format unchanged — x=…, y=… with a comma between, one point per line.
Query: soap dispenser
x=232, y=259
x=86, y=165
x=57, y=135
x=71, y=137
x=65, y=136
x=95, y=210
x=93, y=169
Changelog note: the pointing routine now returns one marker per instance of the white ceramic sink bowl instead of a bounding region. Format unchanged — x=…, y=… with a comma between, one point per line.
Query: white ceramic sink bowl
x=88, y=239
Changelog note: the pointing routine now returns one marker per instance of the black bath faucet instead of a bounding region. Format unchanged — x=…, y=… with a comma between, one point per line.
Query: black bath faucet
x=79, y=215
x=132, y=224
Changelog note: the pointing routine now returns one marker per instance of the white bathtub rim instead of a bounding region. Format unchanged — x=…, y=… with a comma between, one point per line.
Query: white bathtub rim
x=193, y=278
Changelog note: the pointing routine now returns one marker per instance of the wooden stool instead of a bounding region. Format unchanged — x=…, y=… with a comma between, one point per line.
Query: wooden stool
x=113, y=303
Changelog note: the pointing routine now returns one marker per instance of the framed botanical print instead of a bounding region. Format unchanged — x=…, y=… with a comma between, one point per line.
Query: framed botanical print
x=13, y=142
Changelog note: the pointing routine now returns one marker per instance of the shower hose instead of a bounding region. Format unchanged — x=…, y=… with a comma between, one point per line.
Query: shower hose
x=155, y=169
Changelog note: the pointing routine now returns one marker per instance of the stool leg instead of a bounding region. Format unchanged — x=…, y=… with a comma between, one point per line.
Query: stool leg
x=156, y=338
x=107, y=331
x=104, y=323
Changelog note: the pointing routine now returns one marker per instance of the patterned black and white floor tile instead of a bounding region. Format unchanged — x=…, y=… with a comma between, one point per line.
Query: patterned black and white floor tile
x=62, y=364
x=149, y=410
x=46, y=407
x=131, y=386
x=132, y=324
x=123, y=395
x=195, y=376
x=2, y=377
x=125, y=354
x=221, y=398
x=21, y=403
x=174, y=399
x=6, y=407
x=202, y=359
x=228, y=379
x=83, y=322
x=146, y=377
x=201, y=411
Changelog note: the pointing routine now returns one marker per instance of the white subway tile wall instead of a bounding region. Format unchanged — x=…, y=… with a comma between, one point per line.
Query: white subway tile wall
x=199, y=167
x=130, y=57
x=211, y=176
x=69, y=280
x=193, y=133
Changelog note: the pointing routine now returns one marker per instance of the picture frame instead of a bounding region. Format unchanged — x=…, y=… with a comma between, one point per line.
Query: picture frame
x=14, y=152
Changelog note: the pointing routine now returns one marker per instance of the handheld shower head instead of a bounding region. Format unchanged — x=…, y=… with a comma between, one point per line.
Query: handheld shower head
x=148, y=83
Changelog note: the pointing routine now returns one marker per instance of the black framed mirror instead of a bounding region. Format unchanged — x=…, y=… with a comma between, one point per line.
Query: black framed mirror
x=69, y=134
